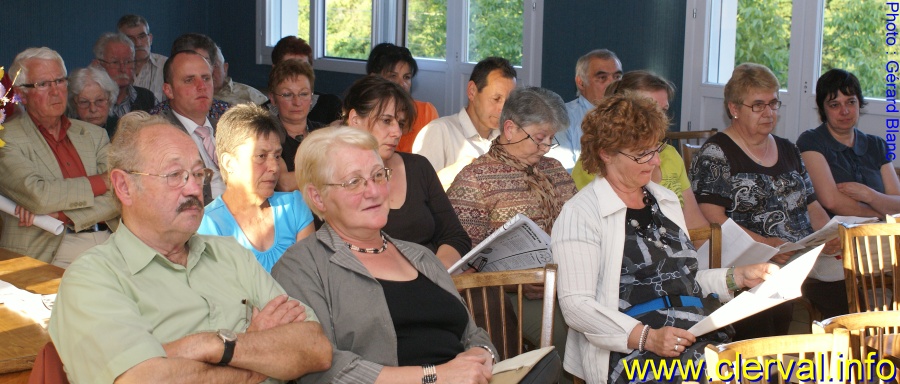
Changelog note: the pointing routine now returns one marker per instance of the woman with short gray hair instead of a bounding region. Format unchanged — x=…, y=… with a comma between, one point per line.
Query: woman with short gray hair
x=91, y=96
x=485, y=194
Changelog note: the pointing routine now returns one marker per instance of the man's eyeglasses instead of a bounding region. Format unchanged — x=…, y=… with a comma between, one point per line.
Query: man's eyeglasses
x=85, y=104
x=141, y=37
x=357, y=184
x=119, y=64
x=44, y=85
x=180, y=178
x=758, y=107
x=646, y=156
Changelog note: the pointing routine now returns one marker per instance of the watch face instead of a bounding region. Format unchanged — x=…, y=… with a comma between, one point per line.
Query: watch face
x=227, y=335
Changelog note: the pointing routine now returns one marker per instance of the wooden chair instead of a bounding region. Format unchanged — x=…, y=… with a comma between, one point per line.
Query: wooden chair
x=869, y=331
x=479, y=282
x=689, y=143
x=712, y=233
x=829, y=348
x=871, y=269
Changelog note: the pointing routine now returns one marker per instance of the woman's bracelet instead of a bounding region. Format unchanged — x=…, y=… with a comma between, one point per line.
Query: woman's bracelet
x=429, y=374
x=486, y=348
x=729, y=280
x=643, y=341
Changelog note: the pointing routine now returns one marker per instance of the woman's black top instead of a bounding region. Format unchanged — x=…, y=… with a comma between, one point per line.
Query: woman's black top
x=429, y=321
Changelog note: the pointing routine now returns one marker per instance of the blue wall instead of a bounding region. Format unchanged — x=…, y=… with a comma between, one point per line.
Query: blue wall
x=71, y=27
x=645, y=34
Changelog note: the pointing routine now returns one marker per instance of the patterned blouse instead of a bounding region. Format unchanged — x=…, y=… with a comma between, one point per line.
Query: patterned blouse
x=487, y=193
x=648, y=273
x=770, y=201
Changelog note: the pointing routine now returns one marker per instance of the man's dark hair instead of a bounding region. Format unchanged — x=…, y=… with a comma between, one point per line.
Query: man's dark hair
x=192, y=41
x=290, y=45
x=833, y=81
x=167, y=67
x=386, y=55
x=485, y=67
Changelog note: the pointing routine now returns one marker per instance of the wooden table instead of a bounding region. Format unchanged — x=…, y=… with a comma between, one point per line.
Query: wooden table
x=20, y=337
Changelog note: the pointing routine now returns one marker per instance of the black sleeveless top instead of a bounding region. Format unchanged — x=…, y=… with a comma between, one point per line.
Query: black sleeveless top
x=429, y=321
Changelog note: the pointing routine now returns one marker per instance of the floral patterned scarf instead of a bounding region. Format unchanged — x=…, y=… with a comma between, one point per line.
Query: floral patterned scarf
x=538, y=183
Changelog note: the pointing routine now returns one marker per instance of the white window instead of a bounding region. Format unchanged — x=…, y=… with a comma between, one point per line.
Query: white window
x=446, y=37
x=798, y=40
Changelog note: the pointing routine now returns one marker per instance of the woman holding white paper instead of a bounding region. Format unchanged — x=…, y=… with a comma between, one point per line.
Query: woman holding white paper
x=759, y=180
x=515, y=175
x=629, y=285
x=388, y=306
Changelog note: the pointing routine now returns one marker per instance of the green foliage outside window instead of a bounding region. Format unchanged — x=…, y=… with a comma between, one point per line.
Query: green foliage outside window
x=426, y=28
x=763, y=35
x=852, y=39
x=495, y=28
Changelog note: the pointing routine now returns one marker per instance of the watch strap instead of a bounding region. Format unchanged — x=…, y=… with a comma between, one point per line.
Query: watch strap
x=228, y=353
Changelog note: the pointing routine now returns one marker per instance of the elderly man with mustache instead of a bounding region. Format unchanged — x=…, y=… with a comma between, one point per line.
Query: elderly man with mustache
x=114, y=52
x=159, y=303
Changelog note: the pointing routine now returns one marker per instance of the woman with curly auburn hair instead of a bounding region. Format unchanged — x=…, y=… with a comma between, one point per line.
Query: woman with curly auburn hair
x=629, y=284
x=671, y=172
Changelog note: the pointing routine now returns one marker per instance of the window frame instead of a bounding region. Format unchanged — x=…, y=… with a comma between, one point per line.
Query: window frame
x=387, y=27
x=702, y=101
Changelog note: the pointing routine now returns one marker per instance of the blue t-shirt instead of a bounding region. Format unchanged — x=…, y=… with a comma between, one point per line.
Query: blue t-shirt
x=291, y=216
x=861, y=163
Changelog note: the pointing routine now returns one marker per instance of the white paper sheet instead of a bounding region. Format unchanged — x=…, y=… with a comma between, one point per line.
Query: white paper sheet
x=44, y=222
x=34, y=306
x=782, y=286
x=827, y=232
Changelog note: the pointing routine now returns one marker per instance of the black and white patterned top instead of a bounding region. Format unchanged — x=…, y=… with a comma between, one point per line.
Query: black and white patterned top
x=770, y=201
x=650, y=272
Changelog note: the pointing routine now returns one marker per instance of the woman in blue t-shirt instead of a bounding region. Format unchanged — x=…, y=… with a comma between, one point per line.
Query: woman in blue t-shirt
x=248, y=147
x=849, y=169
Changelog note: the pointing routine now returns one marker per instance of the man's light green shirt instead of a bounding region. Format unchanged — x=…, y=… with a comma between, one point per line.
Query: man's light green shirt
x=121, y=301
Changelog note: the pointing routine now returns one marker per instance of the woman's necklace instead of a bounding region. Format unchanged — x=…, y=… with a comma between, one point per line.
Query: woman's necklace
x=370, y=250
x=750, y=151
x=299, y=137
x=654, y=232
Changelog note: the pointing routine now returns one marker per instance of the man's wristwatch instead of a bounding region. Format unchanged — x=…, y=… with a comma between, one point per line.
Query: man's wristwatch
x=230, y=339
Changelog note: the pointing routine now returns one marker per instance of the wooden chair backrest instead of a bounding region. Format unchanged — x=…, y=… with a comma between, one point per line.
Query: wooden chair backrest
x=480, y=281
x=826, y=348
x=863, y=327
x=871, y=269
x=713, y=234
x=689, y=143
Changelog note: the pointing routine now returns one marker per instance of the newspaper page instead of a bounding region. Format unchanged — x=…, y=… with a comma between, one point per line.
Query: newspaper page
x=829, y=231
x=518, y=244
x=782, y=286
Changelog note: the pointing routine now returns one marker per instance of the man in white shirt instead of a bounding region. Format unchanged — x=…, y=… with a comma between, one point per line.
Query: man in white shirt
x=452, y=142
x=594, y=71
x=189, y=87
x=148, y=70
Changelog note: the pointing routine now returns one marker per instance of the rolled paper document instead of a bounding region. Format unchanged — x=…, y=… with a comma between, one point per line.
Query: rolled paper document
x=44, y=222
